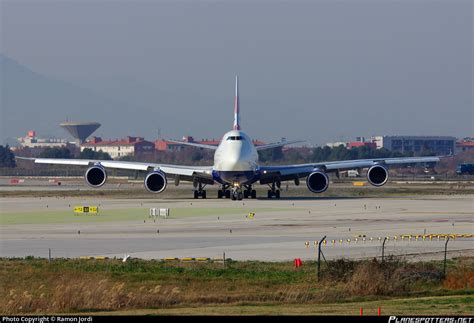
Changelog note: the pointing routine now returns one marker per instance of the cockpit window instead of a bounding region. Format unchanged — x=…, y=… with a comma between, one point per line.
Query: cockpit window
x=235, y=138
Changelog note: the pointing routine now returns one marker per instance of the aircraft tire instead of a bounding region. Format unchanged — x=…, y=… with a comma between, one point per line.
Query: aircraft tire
x=254, y=194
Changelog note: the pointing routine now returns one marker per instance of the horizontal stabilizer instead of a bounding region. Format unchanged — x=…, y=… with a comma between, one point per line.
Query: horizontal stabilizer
x=278, y=144
x=194, y=144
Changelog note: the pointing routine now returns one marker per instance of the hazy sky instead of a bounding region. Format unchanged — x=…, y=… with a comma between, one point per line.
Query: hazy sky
x=316, y=70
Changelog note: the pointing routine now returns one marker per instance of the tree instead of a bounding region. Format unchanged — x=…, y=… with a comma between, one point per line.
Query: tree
x=274, y=154
x=321, y=154
x=197, y=155
x=7, y=158
x=88, y=153
x=340, y=153
x=383, y=153
x=56, y=152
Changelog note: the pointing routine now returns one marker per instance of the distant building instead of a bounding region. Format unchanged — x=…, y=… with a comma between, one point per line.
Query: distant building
x=32, y=141
x=466, y=144
x=355, y=144
x=129, y=146
x=165, y=145
x=359, y=142
x=80, y=130
x=336, y=144
x=439, y=145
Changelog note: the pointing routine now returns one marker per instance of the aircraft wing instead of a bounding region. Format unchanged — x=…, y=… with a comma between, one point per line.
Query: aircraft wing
x=185, y=172
x=261, y=147
x=288, y=172
x=193, y=144
x=277, y=144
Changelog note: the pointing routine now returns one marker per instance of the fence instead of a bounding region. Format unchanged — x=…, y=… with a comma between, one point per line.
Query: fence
x=319, y=244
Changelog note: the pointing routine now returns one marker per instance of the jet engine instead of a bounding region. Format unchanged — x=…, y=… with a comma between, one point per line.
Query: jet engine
x=317, y=182
x=155, y=182
x=95, y=176
x=377, y=175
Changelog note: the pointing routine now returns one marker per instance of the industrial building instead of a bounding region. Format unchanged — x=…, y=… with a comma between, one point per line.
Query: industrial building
x=439, y=145
x=129, y=146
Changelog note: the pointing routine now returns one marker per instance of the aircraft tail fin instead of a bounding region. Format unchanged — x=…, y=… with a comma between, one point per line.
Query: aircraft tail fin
x=236, y=105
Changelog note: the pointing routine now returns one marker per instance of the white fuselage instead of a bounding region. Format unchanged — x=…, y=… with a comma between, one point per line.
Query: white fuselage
x=236, y=159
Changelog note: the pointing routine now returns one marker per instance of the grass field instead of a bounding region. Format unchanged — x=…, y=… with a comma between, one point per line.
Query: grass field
x=155, y=287
x=130, y=214
x=335, y=190
x=440, y=305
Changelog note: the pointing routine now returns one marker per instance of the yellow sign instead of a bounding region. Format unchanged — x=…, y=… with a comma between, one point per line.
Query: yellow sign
x=86, y=209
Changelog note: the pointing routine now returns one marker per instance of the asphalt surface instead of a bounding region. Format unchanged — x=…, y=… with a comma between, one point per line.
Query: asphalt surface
x=283, y=230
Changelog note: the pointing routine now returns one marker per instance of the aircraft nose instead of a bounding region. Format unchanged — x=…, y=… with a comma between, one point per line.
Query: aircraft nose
x=236, y=161
x=235, y=155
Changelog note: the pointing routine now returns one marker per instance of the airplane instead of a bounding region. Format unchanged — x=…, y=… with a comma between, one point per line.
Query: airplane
x=236, y=168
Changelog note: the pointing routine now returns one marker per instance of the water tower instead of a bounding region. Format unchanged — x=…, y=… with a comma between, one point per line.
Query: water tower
x=80, y=130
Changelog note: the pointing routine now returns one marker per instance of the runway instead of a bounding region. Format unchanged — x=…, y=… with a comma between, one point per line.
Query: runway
x=281, y=229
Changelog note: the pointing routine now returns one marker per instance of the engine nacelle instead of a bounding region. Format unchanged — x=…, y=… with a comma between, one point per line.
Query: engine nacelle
x=377, y=175
x=317, y=182
x=95, y=176
x=155, y=182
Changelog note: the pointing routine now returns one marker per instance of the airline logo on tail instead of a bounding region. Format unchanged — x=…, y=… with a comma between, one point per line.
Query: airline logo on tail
x=236, y=105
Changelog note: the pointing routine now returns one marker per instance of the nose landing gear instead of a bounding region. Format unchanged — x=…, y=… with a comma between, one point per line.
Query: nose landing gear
x=237, y=194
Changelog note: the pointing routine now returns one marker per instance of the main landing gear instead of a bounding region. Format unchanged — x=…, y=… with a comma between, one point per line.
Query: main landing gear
x=249, y=192
x=224, y=192
x=199, y=191
x=274, y=190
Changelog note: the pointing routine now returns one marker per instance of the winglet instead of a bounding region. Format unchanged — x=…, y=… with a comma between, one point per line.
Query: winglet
x=236, y=105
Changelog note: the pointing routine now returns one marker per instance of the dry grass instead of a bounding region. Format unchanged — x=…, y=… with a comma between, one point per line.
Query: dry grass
x=77, y=294
x=462, y=278
x=72, y=286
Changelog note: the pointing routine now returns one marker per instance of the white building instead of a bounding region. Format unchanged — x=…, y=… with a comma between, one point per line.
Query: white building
x=31, y=141
x=336, y=144
x=129, y=146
